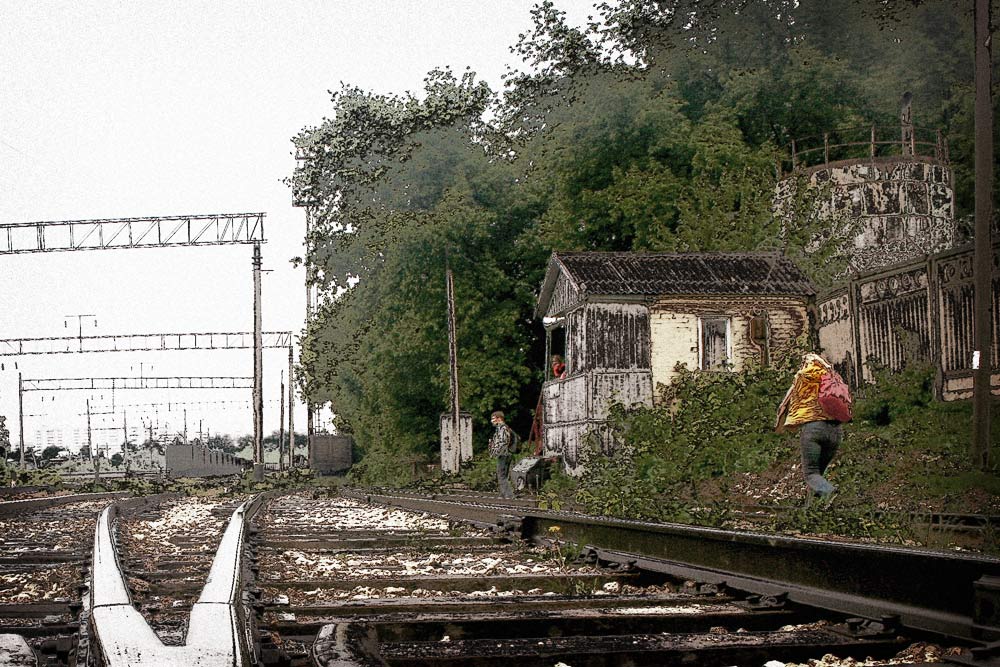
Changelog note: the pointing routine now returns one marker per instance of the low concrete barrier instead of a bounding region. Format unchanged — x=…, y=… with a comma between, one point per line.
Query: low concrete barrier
x=195, y=461
x=20, y=507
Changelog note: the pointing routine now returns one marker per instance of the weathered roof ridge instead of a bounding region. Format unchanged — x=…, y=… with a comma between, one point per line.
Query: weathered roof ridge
x=661, y=253
x=651, y=274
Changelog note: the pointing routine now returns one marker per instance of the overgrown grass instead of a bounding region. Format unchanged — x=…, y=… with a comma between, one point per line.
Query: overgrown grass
x=905, y=455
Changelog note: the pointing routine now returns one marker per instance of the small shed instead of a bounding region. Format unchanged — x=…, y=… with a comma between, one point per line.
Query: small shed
x=622, y=321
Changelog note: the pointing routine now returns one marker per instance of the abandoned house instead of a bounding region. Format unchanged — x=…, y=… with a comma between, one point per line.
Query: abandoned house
x=623, y=321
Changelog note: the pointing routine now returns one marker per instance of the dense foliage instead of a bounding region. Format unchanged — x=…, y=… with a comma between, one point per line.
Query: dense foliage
x=656, y=127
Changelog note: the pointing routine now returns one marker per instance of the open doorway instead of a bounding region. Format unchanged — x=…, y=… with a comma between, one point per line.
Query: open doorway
x=557, y=365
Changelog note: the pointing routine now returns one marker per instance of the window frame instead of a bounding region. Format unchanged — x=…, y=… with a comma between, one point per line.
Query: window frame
x=728, y=362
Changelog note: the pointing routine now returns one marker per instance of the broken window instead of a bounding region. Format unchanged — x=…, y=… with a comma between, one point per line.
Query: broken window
x=715, y=344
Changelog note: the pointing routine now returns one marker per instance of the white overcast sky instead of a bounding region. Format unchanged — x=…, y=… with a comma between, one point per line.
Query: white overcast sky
x=123, y=109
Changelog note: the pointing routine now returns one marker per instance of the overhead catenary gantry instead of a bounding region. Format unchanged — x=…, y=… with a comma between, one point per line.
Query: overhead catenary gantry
x=148, y=232
x=146, y=382
x=152, y=232
x=151, y=342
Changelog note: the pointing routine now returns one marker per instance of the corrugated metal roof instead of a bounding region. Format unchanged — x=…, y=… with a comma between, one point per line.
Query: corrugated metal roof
x=655, y=274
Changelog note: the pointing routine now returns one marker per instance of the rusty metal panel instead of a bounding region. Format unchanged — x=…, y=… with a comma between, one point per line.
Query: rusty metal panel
x=617, y=336
x=330, y=453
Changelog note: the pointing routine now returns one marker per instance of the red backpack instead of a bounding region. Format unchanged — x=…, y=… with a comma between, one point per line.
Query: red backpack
x=835, y=397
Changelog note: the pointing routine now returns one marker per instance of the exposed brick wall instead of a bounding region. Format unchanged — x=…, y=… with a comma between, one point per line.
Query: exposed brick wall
x=674, y=327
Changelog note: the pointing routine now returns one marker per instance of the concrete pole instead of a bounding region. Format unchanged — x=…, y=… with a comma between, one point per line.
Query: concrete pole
x=281, y=426
x=452, y=348
x=309, y=309
x=125, y=457
x=291, y=412
x=983, y=261
x=258, y=359
x=95, y=456
x=20, y=415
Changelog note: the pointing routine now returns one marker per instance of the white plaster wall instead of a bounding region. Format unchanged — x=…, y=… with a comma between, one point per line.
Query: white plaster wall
x=673, y=339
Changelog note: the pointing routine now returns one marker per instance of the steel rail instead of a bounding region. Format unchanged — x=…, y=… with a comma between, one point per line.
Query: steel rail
x=957, y=595
x=217, y=634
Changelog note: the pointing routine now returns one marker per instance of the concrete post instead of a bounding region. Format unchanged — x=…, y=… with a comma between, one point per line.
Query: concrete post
x=281, y=425
x=291, y=412
x=258, y=358
x=20, y=415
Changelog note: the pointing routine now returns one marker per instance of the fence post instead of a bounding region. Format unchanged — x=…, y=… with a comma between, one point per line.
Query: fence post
x=826, y=148
x=872, y=146
x=793, y=155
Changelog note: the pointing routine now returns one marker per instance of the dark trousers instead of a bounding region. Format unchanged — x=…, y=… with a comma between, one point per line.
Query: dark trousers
x=503, y=476
x=819, y=442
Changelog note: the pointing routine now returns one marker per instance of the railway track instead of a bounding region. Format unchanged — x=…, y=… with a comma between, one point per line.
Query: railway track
x=343, y=583
x=45, y=547
x=933, y=528
x=372, y=578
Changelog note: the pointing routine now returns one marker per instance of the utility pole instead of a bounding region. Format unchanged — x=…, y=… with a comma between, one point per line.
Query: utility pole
x=309, y=309
x=20, y=414
x=452, y=346
x=456, y=428
x=281, y=425
x=95, y=456
x=258, y=359
x=291, y=412
x=982, y=362
x=126, y=459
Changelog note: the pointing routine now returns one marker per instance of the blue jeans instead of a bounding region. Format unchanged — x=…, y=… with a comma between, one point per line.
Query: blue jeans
x=819, y=442
x=503, y=476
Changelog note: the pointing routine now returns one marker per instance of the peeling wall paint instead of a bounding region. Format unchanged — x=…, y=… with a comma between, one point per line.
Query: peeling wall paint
x=904, y=207
x=921, y=311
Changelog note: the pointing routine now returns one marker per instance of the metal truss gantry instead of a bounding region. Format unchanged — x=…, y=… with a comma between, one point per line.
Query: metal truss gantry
x=152, y=232
x=149, y=232
x=152, y=342
x=115, y=383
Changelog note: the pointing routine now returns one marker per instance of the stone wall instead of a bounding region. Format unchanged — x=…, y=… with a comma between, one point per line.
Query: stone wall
x=899, y=207
x=195, y=461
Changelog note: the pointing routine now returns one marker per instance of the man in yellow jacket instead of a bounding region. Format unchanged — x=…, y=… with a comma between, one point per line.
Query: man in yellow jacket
x=819, y=435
